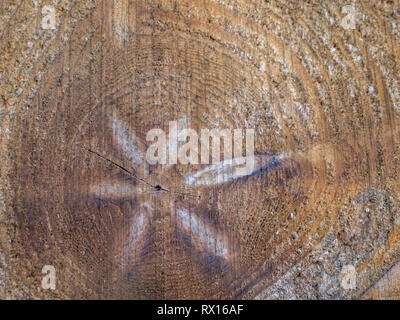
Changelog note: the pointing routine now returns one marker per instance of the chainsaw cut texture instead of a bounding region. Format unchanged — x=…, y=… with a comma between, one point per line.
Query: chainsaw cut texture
x=77, y=193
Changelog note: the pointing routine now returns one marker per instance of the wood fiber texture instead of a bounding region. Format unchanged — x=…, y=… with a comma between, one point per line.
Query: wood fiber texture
x=76, y=192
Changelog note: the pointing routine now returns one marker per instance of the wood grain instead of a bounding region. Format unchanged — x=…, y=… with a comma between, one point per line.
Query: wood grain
x=76, y=191
x=387, y=287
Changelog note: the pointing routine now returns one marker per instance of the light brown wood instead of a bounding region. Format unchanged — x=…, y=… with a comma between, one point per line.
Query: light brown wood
x=388, y=287
x=77, y=193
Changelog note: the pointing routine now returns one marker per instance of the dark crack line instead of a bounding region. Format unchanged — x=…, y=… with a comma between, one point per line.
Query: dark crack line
x=156, y=187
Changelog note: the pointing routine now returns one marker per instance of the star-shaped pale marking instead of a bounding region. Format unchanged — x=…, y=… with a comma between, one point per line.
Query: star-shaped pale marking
x=205, y=237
